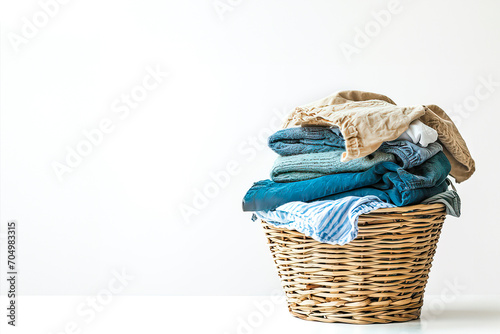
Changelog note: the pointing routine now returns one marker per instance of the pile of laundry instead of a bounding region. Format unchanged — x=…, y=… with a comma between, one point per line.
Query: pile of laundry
x=354, y=152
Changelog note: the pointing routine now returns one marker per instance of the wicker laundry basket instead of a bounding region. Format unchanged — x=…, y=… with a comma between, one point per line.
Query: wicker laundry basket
x=379, y=277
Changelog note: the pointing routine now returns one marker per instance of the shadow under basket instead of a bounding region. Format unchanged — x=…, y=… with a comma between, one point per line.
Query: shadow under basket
x=379, y=277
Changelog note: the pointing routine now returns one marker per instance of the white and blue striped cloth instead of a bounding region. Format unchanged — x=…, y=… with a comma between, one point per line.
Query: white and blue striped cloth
x=332, y=222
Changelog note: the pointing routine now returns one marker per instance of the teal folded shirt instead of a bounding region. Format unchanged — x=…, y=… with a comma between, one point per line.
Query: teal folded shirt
x=308, y=166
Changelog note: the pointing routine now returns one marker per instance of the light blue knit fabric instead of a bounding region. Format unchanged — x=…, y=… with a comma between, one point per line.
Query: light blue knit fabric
x=311, y=165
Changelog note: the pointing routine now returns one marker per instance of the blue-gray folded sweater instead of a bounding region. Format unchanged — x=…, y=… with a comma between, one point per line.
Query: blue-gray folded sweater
x=312, y=165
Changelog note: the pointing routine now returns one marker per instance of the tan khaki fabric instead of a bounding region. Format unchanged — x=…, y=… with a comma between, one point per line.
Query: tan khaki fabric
x=366, y=120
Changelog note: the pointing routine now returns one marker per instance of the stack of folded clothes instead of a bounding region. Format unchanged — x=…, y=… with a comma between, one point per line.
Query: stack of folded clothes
x=354, y=152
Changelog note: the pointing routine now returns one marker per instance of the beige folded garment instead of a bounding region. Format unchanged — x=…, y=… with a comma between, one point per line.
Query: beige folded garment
x=366, y=120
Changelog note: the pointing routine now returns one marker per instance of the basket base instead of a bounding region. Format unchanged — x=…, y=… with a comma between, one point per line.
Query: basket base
x=367, y=318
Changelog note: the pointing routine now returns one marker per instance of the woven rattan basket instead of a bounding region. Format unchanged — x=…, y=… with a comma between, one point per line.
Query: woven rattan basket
x=379, y=277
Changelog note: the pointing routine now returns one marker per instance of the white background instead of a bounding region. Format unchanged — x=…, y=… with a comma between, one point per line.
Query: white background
x=230, y=74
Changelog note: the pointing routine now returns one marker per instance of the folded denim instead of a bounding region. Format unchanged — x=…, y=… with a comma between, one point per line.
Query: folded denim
x=332, y=222
x=303, y=140
x=314, y=139
x=392, y=195
x=402, y=187
x=409, y=154
x=309, y=140
x=311, y=165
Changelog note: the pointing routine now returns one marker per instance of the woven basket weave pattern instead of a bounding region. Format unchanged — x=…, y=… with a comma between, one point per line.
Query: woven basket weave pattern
x=379, y=277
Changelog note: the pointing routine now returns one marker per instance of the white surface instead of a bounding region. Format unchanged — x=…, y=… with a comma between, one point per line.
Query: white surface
x=120, y=208
x=242, y=315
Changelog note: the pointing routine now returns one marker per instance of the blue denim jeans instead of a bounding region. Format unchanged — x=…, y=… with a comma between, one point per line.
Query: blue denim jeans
x=305, y=140
x=409, y=155
x=386, y=180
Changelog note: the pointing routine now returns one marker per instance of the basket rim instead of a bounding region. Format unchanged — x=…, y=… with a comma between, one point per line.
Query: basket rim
x=380, y=216
x=409, y=208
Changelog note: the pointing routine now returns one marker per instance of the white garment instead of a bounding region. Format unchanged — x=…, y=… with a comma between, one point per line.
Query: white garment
x=419, y=133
